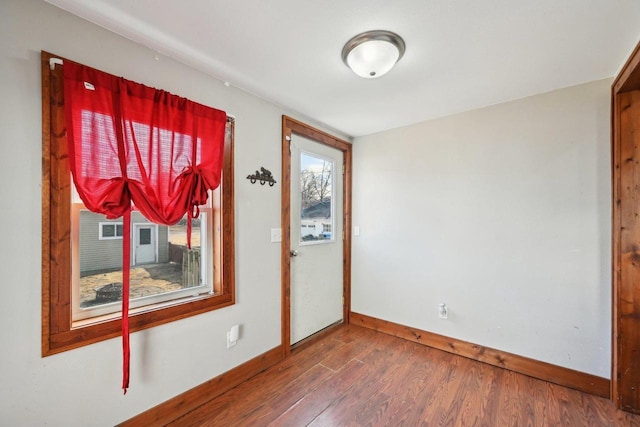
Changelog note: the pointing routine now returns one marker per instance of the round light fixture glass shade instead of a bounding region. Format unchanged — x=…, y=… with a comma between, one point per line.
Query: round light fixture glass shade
x=374, y=53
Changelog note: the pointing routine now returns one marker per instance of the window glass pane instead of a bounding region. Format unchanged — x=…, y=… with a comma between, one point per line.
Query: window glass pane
x=108, y=230
x=171, y=267
x=145, y=236
x=316, y=188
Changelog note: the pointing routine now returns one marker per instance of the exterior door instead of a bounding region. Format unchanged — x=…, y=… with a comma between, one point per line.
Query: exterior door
x=316, y=237
x=145, y=243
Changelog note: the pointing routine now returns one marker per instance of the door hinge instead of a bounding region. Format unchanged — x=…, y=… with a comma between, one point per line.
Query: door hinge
x=343, y=168
x=343, y=235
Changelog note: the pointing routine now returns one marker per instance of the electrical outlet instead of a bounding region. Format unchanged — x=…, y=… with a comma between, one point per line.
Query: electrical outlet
x=443, y=311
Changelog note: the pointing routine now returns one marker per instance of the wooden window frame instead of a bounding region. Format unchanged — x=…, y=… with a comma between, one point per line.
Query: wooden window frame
x=59, y=332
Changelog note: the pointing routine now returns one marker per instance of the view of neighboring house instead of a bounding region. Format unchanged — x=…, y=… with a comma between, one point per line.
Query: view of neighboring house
x=101, y=242
x=160, y=261
x=316, y=221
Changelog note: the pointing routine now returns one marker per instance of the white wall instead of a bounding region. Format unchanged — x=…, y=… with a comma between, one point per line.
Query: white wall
x=82, y=386
x=502, y=213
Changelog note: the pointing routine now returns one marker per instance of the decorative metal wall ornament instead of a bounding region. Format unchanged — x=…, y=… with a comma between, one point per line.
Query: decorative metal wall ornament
x=263, y=176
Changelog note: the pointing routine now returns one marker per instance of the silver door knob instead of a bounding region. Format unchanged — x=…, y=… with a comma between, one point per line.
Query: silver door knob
x=294, y=252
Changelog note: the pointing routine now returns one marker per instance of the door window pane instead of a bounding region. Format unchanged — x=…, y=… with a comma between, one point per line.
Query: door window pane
x=316, y=189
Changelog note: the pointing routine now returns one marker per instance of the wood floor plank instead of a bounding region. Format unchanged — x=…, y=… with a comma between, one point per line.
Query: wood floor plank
x=398, y=384
x=410, y=389
x=390, y=369
x=352, y=349
x=481, y=410
x=539, y=404
x=308, y=409
x=355, y=376
x=450, y=392
x=346, y=407
x=287, y=396
x=421, y=400
x=258, y=388
x=510, y=400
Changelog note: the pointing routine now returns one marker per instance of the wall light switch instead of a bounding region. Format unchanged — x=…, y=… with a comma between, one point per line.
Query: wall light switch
x=356, y=230
x=276, y=235
x=233, y=335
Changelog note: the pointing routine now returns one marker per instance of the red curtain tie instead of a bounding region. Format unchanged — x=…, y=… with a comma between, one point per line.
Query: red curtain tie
x=116, y=199
x=198, y=183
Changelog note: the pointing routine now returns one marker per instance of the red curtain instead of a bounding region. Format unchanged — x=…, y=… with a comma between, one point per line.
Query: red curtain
x=133, y=145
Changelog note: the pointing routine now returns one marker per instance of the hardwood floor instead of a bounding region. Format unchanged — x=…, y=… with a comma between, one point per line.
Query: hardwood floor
x=358, y=377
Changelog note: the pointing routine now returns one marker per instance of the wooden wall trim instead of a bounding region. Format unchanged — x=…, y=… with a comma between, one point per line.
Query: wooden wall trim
x=177, y=406
x=534, y=368
x=285, y=224
x=615, y=243
x=625, y=122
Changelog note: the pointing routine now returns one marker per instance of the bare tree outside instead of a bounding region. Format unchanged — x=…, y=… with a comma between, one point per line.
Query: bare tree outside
x=315, y=185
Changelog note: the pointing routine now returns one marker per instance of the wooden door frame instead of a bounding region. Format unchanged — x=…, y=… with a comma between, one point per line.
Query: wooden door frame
x=291, y=126
x=625, y=295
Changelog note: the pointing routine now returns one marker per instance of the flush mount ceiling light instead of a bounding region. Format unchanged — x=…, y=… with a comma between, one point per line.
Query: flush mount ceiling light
x=373, y=53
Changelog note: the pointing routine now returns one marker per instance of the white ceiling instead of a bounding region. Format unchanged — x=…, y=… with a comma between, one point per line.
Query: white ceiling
x=461, y=54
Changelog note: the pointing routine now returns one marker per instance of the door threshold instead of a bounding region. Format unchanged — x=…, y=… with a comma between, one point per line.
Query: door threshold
x=317, y=335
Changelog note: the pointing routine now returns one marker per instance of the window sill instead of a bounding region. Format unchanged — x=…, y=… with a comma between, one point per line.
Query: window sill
x=101, y=328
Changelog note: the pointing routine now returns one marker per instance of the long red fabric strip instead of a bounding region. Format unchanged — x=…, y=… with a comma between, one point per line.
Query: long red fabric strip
x=126, y=269
x=133, y=146
x=126, y=235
